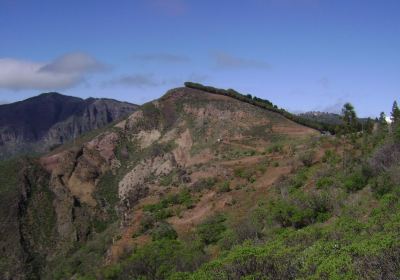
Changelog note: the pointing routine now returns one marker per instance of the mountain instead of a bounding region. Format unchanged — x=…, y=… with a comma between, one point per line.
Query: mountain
x=203, y=184
x=39, y=123
x=80, y=194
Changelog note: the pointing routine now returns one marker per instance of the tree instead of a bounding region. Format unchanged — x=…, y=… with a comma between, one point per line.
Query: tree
x=395, y=114
x=395, y=125
x=382, y=123
x=349, y=118
x=369, y=126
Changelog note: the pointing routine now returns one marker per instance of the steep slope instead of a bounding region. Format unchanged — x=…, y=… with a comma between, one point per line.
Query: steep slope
x=50, y=119
x=172, y=164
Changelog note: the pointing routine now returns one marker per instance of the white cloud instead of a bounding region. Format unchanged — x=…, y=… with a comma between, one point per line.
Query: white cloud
x=63, y=72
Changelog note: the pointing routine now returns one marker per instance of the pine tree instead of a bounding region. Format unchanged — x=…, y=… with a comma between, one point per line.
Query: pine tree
x=395, y=114
x=349, y=118
x=382, y=123
x=369, y=126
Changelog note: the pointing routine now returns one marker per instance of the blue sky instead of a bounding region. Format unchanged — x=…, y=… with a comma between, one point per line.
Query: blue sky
x=300, y=54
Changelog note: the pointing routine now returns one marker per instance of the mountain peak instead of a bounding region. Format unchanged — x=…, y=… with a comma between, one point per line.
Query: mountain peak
x=51, y=118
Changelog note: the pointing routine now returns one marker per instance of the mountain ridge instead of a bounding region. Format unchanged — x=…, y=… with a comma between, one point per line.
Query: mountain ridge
x=49, y=119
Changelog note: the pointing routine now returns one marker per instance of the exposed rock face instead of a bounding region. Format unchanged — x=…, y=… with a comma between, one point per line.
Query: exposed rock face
x=50, y=119
x=94, y=187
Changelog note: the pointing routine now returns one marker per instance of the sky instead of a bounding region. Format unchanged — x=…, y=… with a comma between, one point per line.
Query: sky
x=301, y=54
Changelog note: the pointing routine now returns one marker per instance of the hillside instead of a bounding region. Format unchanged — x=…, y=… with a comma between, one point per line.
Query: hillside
x=198, y=185
x=39, y=123
x=188, y=139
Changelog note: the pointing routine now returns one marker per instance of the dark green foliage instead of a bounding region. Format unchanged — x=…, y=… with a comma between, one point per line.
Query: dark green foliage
x=84, y=261
x=300, y=209
x=163, y=230
x=349, y=117
x=160, y=211
x=147, y=222
x=159, y=260
x=8, y=175
x=354, y=182
x=382, y=125
x=210, y=231
x=107, y=193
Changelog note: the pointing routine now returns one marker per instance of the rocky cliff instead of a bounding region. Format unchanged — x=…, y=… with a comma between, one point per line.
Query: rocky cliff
x=40, y=123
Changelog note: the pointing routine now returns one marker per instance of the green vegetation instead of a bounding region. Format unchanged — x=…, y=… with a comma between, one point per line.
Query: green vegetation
x=163, y=231
x=332, y=213
x=211, y=230
x=333, y=218
x=162, y=210
x=265, y=104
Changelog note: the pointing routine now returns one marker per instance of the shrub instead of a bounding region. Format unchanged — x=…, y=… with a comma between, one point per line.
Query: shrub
x=300, y=209
x=276, y=148
x=147, y=222
x=224, y=187
x=330, y=157
x=300, y=178
x=325, y=182
x=382, y=185
x=210, y=231
x=307, y=158
x=354, y=182
x=163, y=230
x=161, y=258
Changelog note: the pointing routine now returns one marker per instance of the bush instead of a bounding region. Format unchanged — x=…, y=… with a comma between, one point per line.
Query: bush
x=163, y=230
x=330, y=157
x=148, y=221
x=354, y=182
x=224, y=187
x=276, y=148
x=382, y=185
x=210, y=231
x=160, y=210
x=300, y=209
x=307, y=158
x=160, y=259
x=325, y=182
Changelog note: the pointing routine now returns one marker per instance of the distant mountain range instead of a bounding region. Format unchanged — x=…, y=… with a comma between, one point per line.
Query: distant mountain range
x=50, y=119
